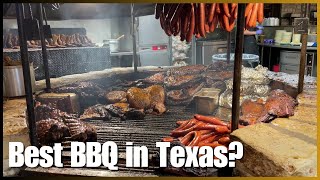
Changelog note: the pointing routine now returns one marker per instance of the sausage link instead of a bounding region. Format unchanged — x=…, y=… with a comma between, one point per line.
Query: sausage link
x=191, y=24
x=254, y=14
x=248, y=18
x=260, y=13
x=166, y=9
x=218, y=10
x=207, y=28
x=181, y=122
x=178, y=133
x=213, y=144
x=211, y=139
x=235, y=14
x=176, y=28
x=168, y=139
x=211, y=120
x=224, y=140
x=248, y=9
x=211, y=12
x=213, y=24
x=232, y=22
x=177, y=14
x=196, y=139
x=158, y=9
x=162, y=20
x=226, y=9
x=171, y=13
x=226, y=22
x=201, y=22
x=233, y=7
x=185, y=140
x=205, y=136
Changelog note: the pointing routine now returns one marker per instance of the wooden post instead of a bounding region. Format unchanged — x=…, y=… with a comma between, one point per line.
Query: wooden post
x=237, y=68
x=302, y=69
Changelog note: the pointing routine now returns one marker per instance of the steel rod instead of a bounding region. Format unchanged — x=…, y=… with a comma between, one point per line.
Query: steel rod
x=26, y=76
x=134, y=42
x=44, y=49
x=237, y=68
x=228, y=46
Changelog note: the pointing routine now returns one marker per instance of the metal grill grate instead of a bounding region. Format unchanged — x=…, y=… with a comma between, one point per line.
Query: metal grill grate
x=141, y=132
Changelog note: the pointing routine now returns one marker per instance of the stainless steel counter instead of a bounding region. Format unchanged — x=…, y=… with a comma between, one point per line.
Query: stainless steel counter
x=286, y=46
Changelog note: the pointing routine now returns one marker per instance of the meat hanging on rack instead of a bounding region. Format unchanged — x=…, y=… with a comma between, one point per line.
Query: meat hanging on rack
x=197, y=19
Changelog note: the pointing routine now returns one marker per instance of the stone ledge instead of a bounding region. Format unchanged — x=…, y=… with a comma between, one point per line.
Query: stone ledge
x=270, y=151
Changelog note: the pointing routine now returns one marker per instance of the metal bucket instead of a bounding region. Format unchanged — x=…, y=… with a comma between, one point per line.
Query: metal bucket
x=13, y=83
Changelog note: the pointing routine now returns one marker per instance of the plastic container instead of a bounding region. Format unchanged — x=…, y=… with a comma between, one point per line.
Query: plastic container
x=246, y=58
x=207, y=100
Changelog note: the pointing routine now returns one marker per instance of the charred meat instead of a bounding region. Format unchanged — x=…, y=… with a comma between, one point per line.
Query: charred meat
x=157, y=78
x=187, y=70
x=183, y=96
x=157, y=98
x=81, y=131
x=51, y=131
x=123, y=111
x=138, y=98
x=116, y=97
x=179, y=82
x=98, y=111
x=280, y=104
x=251, y=111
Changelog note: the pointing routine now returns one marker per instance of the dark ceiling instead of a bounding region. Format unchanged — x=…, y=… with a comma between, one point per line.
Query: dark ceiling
x=83, y=10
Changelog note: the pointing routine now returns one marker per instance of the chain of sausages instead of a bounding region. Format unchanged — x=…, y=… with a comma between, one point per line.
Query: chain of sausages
x=201, y=131
x=197, y=19
x=253, y=13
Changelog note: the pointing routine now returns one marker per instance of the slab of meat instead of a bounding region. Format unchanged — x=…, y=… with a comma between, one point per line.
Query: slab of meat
x=51, y=131
x=157, y=98
x=116, y=97
x=251, y=111
x=123, y=111
x=183, y=96
x=157, y=78
x=89, y=93
x=44, y=111
x=181, y=81
x=220, y=66
x=218, y=76
x=187, y=70
x=81, y=131
x=280, y=104
x=98, y=111
x=138, y=98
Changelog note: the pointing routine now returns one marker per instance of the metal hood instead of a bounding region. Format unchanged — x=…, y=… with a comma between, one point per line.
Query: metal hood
x=86, y=10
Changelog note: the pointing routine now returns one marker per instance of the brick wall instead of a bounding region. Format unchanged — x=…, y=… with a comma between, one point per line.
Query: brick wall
x=295, y=8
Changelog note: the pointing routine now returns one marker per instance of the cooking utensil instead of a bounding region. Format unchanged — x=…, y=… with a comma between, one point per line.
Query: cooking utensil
x=13, y=82
x=120, y=37
x=31, y=26
x=46, y=27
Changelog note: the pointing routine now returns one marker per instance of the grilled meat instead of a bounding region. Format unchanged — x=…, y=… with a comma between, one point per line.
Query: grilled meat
x=43, y=112
x=218, y=76
x=187, y=70
x=98, y=111
x=116, y=96
x=89, y=93
x=251, y=111
x=80, y=131
x=157, y=78
x=280, y=104
x=220, y=66
x=181, y=81
x=183, y=96
x=157, y=98
x=138, y=98
x=123, y=111
x=51, y=131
